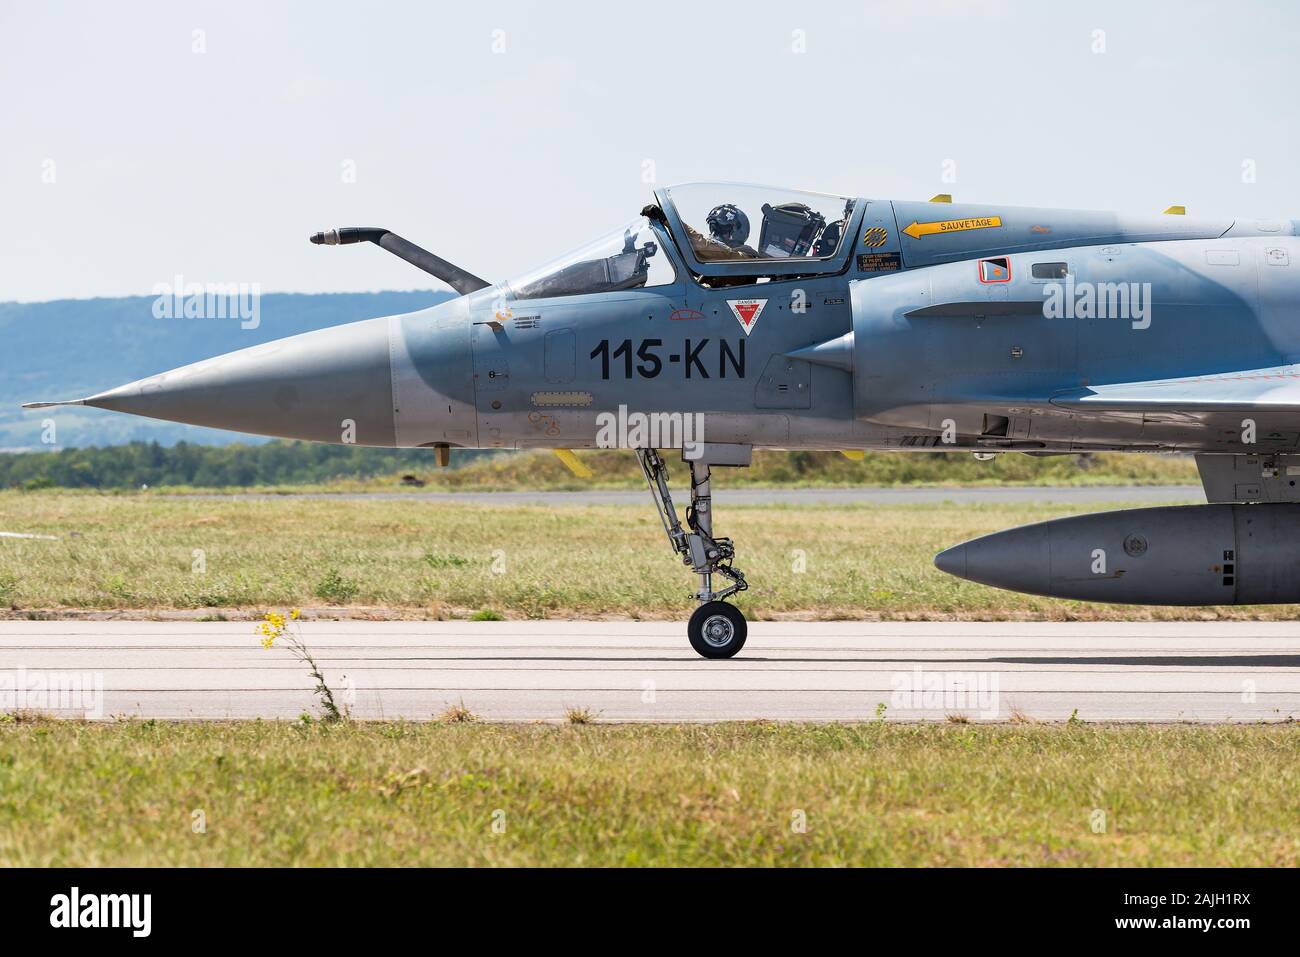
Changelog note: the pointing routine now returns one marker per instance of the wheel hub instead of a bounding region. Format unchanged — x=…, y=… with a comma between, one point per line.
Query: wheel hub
x=718, y=630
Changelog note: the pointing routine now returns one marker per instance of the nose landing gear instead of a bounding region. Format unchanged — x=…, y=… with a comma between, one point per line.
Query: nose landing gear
x=716, y=629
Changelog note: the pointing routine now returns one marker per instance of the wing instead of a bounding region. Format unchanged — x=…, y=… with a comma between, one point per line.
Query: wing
x=1275, y=389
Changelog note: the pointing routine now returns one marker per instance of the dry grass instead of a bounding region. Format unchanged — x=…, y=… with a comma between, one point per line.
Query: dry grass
x=580, y=715
x=457, y=714
x=618, y=469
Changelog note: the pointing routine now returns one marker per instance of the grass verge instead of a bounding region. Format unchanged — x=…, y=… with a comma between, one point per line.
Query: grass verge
x=423, y=559
x=273, y=794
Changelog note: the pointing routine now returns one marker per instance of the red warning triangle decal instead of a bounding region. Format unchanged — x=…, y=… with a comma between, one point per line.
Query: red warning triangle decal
x=747, y=312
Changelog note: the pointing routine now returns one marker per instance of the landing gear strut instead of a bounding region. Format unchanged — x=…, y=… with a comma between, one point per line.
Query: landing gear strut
x=716, y=629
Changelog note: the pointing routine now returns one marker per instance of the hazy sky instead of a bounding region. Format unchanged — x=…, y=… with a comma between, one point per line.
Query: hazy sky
x=500, y=134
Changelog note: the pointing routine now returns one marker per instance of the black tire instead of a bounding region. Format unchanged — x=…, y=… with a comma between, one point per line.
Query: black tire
x=717, y=630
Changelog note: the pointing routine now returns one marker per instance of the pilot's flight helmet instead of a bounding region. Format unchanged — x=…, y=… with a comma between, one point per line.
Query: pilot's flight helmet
x=728, y=225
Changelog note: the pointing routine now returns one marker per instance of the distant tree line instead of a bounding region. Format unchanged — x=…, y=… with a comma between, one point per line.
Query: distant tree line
x=185, y=463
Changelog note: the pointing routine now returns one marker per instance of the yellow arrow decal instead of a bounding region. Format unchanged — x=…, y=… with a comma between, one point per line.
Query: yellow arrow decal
x=917, y=230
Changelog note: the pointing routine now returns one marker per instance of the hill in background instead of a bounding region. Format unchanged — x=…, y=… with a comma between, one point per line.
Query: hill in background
x=73, y=348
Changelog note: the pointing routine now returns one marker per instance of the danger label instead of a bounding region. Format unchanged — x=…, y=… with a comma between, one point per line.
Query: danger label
x=747, y=312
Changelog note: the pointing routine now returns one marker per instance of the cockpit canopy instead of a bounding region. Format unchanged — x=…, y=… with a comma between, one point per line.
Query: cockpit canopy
x=741, y=230
x=736, y=221
x=627, y=258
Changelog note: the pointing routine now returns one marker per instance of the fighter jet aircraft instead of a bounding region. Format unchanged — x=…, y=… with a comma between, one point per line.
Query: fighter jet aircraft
x=726, y=317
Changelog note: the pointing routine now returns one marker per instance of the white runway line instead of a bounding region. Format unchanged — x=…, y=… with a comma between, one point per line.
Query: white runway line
x=645, y=671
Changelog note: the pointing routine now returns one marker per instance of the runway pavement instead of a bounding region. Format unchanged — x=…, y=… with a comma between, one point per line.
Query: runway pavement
x=639, y=671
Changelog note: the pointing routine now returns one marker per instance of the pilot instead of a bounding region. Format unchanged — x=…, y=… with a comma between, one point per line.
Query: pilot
x=728, y=230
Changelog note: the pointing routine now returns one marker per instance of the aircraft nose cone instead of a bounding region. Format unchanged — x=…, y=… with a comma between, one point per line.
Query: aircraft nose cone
x=329, y=385
x=952, y=560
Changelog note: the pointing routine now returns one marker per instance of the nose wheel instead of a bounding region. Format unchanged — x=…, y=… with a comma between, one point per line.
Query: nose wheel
x=716, y=629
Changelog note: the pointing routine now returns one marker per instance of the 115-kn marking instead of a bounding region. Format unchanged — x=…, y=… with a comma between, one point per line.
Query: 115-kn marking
x=694, y=357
